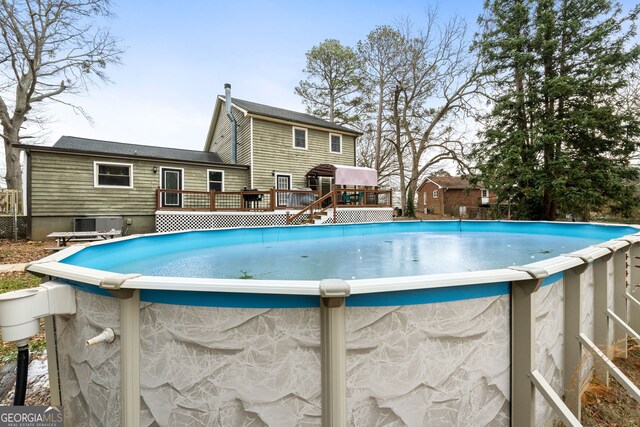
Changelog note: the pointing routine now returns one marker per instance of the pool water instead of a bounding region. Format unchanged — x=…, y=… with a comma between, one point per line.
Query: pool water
x=358, y=257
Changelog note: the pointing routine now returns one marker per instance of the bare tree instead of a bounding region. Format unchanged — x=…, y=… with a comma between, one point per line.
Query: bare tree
x=380, y=58
x=48, y=48
x=433, y=89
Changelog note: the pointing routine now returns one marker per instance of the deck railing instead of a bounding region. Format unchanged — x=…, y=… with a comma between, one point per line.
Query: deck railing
x=263, y=201
x=363, y=198
x=243, y=200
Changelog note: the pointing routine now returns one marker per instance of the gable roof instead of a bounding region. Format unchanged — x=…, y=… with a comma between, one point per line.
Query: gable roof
x=267, y=112
x=288, y=115
x=450, y=182
x=120, y=149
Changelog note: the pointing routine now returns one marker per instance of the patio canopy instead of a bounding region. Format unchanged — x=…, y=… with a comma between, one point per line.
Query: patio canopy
x=346, y=175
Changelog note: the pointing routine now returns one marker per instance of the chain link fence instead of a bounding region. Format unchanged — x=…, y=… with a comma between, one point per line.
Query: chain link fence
x=13, y=227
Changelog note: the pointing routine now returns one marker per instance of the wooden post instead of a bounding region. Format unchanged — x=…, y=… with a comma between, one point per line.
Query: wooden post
x=158, y=198
x=272, y=199
x=212, y=200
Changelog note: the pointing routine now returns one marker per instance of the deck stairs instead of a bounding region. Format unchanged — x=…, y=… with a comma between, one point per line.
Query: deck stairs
x=316, y=214
x=321, y=218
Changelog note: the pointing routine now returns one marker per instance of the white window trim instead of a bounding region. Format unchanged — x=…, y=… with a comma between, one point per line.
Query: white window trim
x=209, y=181
x=331, y=146
x=483, y=192
x=434, y=194
x=306, y=137
x=95, y=175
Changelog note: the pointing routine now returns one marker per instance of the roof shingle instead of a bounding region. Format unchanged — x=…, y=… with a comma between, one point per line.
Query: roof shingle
x=292, y=116
x=96, y=146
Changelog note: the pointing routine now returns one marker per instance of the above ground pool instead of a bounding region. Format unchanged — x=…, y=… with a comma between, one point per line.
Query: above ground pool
x=358, y=251
x=395, y=324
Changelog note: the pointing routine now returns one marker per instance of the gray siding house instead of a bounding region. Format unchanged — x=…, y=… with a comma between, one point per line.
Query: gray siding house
x=79, y=177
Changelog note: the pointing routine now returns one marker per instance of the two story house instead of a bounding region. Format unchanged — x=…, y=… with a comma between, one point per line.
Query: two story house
x=249, y=147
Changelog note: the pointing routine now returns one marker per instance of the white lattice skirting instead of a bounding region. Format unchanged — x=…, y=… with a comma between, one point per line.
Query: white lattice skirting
x=177, y=221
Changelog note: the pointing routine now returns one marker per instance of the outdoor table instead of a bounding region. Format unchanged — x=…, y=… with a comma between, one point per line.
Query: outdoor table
x=64, y=237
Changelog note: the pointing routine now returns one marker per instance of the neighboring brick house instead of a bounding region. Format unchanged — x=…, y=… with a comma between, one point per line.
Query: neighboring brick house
x=445, y=195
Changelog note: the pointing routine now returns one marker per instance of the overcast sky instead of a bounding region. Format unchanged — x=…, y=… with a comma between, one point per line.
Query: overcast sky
x=180, y=55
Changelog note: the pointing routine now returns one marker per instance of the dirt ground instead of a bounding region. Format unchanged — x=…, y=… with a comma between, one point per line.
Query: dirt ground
x=15, y=252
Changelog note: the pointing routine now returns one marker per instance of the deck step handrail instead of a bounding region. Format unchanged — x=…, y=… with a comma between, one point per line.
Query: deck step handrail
x=310, y=208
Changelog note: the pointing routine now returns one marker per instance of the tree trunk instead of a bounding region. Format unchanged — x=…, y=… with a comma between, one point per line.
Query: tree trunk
x=410, y=207
x=13, y=176
x=378, y=143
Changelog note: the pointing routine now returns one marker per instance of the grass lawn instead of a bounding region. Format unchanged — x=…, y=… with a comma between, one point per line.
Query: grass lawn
x=10, y=282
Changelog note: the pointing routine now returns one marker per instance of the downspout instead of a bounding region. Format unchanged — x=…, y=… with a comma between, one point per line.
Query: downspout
x=234, y=136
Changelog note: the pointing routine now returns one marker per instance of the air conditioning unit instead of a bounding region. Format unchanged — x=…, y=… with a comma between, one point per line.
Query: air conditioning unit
x=97, y=223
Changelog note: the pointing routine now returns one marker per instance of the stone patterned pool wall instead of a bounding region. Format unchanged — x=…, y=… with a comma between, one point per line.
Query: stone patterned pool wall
x=89, y=376
x=445, y=363
x=209, y=366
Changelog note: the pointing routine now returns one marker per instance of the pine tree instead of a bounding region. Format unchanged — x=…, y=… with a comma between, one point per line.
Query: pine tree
x=331, y=88
x=557, y=138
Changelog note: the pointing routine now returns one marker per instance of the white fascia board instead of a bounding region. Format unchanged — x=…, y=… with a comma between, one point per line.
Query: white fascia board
x=433, y=182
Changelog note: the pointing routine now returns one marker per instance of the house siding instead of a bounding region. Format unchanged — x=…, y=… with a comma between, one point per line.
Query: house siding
x=273, y=151
x=221, y=142
x=63, y=185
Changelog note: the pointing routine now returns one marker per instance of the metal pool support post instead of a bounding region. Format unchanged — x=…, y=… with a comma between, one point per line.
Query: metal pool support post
x=633, y=293
x=130, y=359
x=333, y=351
x=601, y=336
x=525, y=378
x=129, y=347
x=619, y=297
x=523, y=354
x=572, y=347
